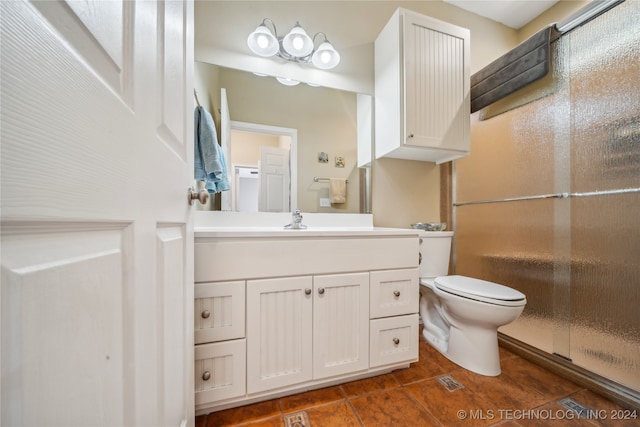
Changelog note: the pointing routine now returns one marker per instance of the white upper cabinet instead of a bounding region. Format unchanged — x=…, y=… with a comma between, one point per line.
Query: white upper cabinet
x=422, y=101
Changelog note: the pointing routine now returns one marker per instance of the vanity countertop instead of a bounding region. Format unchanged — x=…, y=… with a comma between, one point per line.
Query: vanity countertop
x=264, y=225
x=330, y=231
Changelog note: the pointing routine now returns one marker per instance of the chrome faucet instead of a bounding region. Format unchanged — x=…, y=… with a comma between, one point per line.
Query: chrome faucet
x=296, y=221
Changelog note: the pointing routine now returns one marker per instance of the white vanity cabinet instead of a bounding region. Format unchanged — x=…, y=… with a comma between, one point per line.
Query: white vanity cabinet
x=422, y=89
x=310, y=301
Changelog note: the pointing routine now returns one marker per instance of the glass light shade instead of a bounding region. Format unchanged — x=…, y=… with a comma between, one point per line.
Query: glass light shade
x=287, y=82
x=262, y=42
x=297, y=43
x=326, y=57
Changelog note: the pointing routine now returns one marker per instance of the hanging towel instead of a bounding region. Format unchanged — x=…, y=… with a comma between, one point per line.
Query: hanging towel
x=209, y=162
x=338, y=190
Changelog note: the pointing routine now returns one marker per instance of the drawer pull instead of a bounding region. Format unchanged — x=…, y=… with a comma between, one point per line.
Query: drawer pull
x=396, y=341
x=206, y=376
x=419, y=258
x=205, y=314
x=396, y=293
x=321, y=291
x=307, y=291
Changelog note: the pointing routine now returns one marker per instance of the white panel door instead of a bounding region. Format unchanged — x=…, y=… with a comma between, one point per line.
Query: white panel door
x=274, y=179
x=340, y=324
x=97, y=236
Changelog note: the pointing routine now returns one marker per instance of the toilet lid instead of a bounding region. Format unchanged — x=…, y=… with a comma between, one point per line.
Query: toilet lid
x=480, y=290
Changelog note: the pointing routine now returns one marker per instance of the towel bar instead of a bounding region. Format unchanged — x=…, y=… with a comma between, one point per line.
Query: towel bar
x=316, y=179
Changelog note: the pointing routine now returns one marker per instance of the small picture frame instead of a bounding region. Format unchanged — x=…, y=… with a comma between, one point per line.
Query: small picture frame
x=339, y=162
x=323, y=157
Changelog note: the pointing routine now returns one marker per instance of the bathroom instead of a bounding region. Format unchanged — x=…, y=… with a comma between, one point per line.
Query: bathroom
x=402, y=192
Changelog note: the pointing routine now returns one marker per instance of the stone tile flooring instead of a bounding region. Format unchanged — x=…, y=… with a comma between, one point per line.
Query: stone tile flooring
x=524, y=394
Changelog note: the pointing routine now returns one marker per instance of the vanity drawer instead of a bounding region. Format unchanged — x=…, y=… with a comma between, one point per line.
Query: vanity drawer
x=220, y=371
x=219, y=311
x=393, y=340
x=394, y=292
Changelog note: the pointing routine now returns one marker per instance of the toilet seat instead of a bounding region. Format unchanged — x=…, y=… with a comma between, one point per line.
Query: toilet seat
x=480, y=290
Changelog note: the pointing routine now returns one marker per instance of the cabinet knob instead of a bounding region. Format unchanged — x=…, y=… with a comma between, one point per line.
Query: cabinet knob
x=206, y=376
x=205, y=314
x=410, y=135
x=396, y=341
x=321, y=291
x=396, y=294
x=307, y=291
x=419, y=258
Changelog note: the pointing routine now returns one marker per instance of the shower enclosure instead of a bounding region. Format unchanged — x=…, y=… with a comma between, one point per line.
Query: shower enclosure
x=549, y=200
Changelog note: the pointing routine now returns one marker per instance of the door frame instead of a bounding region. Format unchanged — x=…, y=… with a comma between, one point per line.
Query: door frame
x=293, y=152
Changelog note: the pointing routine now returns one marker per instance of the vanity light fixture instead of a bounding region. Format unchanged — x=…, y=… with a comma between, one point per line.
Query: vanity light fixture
x=296, y=46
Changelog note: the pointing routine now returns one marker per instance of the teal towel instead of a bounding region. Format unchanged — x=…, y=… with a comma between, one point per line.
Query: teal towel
x=209, y=162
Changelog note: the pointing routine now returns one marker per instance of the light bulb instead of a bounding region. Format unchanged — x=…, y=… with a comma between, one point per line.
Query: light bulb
x=298, y=42
x=325, y=57
x=263, y=42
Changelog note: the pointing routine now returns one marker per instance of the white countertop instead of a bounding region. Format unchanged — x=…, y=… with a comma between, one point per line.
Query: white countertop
x=237, y=224
x=228, y=232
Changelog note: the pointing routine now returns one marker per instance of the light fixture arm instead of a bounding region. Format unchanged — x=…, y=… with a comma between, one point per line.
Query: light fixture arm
x=275, y=31
x=317, y=34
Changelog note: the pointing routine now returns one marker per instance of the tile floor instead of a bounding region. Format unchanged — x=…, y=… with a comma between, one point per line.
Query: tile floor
x=523, y=395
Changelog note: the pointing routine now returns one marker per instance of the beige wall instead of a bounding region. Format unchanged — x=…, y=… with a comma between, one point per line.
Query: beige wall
x=207, y=86
x=245, y=147
x=554, y=14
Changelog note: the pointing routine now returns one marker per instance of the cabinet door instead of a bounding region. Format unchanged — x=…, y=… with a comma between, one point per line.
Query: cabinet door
x=219, y=371
x=394, y=340
x=340, y=324
x=218, y=311
x=279, y=322
x=394, y=292
x=437, y=79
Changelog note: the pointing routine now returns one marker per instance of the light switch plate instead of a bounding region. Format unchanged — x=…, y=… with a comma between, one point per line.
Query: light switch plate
x=325, y=203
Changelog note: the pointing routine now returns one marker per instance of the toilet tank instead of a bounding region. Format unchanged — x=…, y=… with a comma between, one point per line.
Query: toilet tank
x=435, y=249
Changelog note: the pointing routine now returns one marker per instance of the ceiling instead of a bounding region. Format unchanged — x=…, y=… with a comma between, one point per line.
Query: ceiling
x=514, y=14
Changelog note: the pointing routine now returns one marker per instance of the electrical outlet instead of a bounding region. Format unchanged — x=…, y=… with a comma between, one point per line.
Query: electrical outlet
x=325, y=203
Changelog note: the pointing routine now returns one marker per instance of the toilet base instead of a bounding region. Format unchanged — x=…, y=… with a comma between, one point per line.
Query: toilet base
x=437, y=340
x=475, y=349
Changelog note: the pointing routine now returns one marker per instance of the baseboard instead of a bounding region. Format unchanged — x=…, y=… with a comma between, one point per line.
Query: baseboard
x=611, y=390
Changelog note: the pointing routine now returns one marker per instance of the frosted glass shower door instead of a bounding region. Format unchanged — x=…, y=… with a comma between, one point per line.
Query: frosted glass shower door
x=605, y=214
x=549, y=201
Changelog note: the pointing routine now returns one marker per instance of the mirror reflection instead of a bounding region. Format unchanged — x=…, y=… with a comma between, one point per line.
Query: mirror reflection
x=324, y=122
x=263, y=168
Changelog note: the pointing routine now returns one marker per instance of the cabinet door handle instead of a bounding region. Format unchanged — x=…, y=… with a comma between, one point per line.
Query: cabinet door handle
x=206, y=376
x=419, y=258
x=396, y=294
x=321, y=291
x=205, y=314
x=307, y=291
x=396, y=341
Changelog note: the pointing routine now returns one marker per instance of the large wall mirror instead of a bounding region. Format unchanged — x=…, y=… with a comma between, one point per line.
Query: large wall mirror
x=324, y=125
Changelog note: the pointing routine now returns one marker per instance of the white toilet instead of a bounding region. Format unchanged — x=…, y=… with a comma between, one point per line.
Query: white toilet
x=461, y=315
